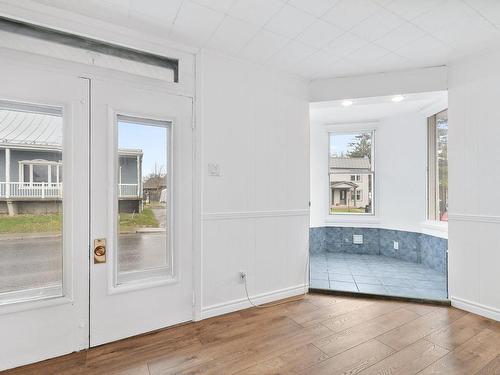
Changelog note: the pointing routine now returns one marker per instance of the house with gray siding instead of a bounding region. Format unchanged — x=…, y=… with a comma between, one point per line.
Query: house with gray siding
x=31, y=165
x=350, y=184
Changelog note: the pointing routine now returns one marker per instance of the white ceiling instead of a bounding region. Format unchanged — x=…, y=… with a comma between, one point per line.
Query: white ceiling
x=314, y=38
x=376, y=108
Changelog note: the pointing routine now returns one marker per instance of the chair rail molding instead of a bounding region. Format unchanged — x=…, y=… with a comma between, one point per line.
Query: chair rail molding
x=254, y=214
x=474, y=218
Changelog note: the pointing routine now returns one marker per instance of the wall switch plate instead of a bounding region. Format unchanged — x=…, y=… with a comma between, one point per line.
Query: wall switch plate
x=214, y=170
x=357, y=239
x=396, y=245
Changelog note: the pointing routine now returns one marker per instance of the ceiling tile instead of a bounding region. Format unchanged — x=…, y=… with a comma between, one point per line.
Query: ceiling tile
x=232, y=35
x=446, y=14
x=289, y=21
x=315, y=7
x=315, y=64
x=319, y=34
x=383, y=2
x=195, y=33
x=426, y=50
x=166, y=11
x=345, y=44
x=489, y=9
x=291, y=55
x=411, y=9
x=263, y=46
x=339, y=68
x=377, y=25
x=220, y=5
x=255, y=11
x=366, y=54
x=389, y=62
x=348, y=13
x=400, y=36
x=459, y=26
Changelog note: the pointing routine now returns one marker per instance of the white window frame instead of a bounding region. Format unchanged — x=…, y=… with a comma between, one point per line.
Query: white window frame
x=432, y=214
x=351, y=130
x=124, y=281
x=31, y=163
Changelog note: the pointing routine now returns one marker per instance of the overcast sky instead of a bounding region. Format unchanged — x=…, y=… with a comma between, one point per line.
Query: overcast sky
x=339, y=143
x=152, y=140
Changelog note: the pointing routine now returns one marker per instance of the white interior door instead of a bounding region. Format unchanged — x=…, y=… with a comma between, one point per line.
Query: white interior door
x=141, y=205
x=43, y=226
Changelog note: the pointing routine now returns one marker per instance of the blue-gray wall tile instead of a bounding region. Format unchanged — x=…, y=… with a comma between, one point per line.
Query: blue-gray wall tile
x=413, y=247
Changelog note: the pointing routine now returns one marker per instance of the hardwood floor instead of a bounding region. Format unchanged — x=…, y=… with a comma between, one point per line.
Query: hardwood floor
x=316, y=335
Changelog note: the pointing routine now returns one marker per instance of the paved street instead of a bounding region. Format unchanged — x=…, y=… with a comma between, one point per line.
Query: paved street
x=37, y=262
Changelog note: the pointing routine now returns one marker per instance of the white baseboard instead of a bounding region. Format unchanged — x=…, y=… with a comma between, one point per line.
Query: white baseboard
x=242, y=303
x=476, y=308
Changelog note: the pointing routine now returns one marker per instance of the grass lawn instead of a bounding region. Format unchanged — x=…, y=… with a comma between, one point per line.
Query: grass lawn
x=52, y=223
x=130, y=222
x=347, y=210
x=30, y=223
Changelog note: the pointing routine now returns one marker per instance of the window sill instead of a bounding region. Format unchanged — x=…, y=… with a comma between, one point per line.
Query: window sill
x=435, y=228
x=352, y=220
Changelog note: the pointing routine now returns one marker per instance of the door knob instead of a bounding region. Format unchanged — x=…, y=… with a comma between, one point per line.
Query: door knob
x=99, y=251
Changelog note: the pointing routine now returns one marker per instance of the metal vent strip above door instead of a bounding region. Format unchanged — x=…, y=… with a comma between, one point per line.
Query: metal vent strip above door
x=104, y=53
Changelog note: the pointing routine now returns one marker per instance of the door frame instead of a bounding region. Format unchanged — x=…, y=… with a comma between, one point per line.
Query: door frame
x=187, y=89
x=191, y=71
x=112, y=238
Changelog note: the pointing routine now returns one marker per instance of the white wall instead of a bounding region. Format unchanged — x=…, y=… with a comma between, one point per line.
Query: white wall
x=381, y=84
x=474, y=174
x=255, y=125
x=400, y=173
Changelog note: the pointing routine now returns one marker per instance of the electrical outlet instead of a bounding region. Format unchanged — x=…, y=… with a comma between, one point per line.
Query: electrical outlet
x=243, y=276
x=396, y=245
x=357, y=239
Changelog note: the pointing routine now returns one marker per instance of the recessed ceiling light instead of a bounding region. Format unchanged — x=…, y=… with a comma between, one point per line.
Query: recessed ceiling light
x=347, y=103
x=398, y=98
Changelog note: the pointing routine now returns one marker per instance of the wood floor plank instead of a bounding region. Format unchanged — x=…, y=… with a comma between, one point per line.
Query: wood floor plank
x=330, y=311
x=234, y=348
x=415, y=330
x=258, y=352
x=71, y=364
x=460, y=331
x=356, y=335
x=314, y=335
x=352, y=361
x=492, y=368
x=408, y=361
x=469, y=357
x=352, y=318
x=289, y=362
x=322, y=300
x=422, y=309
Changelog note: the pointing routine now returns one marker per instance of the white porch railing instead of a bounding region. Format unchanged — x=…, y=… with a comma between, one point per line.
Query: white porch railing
x=128, y=190
x=44, y=190
x=39, y=190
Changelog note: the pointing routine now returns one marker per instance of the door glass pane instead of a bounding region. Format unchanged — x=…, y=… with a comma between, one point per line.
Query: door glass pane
x=31, y=253
x=143, y=203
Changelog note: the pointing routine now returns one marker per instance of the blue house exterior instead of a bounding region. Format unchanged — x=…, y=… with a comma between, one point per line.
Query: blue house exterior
x=31, y=166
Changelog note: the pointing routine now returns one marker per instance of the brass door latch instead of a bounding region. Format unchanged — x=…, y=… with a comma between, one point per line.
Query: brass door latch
x=99, y=251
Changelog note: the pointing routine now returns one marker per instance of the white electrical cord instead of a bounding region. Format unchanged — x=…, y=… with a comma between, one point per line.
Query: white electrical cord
x=301, y=297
